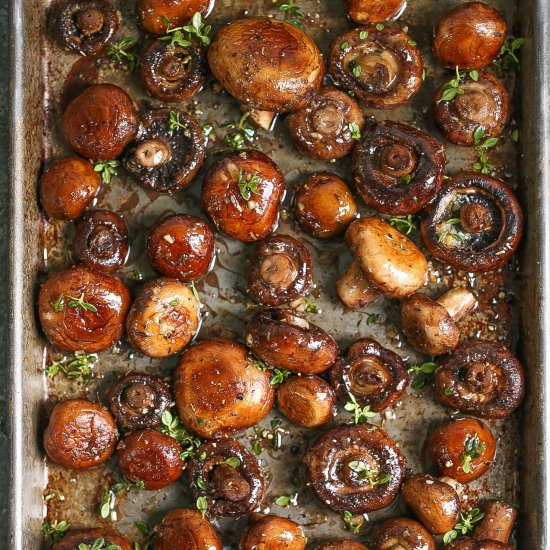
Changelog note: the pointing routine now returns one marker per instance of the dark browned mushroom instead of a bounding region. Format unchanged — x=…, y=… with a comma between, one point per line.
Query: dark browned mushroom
x=227, y=476
x=398, y=169
x=381, y=65
x=168, y=152
x=482, y=103
x=137, y=400
x=357, y=469
x=328, y=126
x=481, y=378
x=279, y=271
x=86, y=27
x=342, y=545
x=101, y=240
x=375, y=11
x=242, y=193
x=73, y=540
x=431, y=325
x=283, y=339
x=498, y=522
x=272, y=532
x=469, y=36
x=471, y=544
x=374, y=375
x=354, y=289
x=401, y=533
x=475, y=223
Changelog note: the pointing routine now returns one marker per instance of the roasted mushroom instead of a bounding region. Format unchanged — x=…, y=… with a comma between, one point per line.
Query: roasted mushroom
x=398, y=533
x=435, y=503
x=218, y=389
x=164, y=318
x=82, y=309
x=181, y=246
x=137, y=401
x=225, y=474
x=242, y=193
x=184, y=529
x=279, y=271
x=283, y=339
x=271, y=533
x=462, y=449
x=172, y=73
x=498, y=522
x=324, y=205
x=375, y=11
x=100, y=122
x=307, y=401
x=398, y=169
x=86, y=27
x=478, y=112
x=470, y=36
x=354, y=289
x=168, y=152
x=471, y=544
x=101, y=240
x=481, y=378
x=267, y=64
x=67, y=187
x=357, y=469
x=328, y=126
x=381, y=65
x=85, y=538
x=374, y=375
x=474, y=224
x=80, y=434
x=431, y=326
x=342, y=545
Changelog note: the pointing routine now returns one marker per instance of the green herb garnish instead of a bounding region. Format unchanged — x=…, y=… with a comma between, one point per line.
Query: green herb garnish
x=107, y=169
x=466, y=525
x=117, y=51
x=361, y=414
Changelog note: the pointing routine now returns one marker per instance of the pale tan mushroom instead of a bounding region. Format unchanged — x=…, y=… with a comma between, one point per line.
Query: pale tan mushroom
x=498, y=522
x=354, y=289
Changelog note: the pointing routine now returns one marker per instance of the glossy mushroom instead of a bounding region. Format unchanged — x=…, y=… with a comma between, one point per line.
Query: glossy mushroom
x=279, y=270
x=82, y=309
x=137, y=401
x=357, y=469
x=374, y=375
x=430, y=326
x=283, y=339
x=324, y=205
x=398, y=169
x=481, y=103
x=164, y=318
x=383, y=68
x=374, y=11
x=398, y=533
x=469, y=36
x=168, y=152
x=474, y=224
x=86, y=27
x=342, y=545
x=229, y=477
x=308, y=401
x=471, y=544
x=271, y=533
x=80, y=434
x=462, y=449
x=181, y=246
x=218, y=389
x=74, y=539
x=481, y=378
x=328, y=126
x=100, y=122
x=354, y=289
x=267, y=64
x=67, y=187
x=498, y=522
x=242, y=193
x=101, y=240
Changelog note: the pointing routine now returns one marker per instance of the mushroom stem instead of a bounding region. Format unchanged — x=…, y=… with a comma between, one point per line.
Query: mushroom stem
x=90, y=21
x=354, y=289
x=278, y=270
x=229, y=483
x=498, y=522
x=152, y=153
x=458, y=302
x=264, y=119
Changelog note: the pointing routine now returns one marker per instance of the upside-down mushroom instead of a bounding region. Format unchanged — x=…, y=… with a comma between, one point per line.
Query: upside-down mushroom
x=374, y=11
x=79, y=538
x=498, y=522
x=272, y=532
x=152, y=15
x=401, y=533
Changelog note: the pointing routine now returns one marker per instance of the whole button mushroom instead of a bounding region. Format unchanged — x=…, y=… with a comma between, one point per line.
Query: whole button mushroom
x=375, y=11
x=324, y=205
x=272, y=532
x=181, y=246
x=471, y=544
x=470, y=36
x=381, y=65
x=354, y=289
x=398, y=533
x=67, y=187
x=80, y=434
x=164, y=318
x=374, y=375
x=100, y=122
x=431, y=326
x=342, y=545
x=82, y=309
x=242, y=194
x=218, y=390
x=283, y=339
x=266, y=64
x=79, y=538
x=462, y=449
x=498, y=522
x=481, y=378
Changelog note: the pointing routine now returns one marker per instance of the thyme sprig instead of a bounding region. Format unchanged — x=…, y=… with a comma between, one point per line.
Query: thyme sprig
x=453, y=88
x=56, y=529
x=79, y=367
x=423, y=374
x=118, y=52
x=361, y=414
x=107, y=506
x=473, y=447
x=405, y=224
x=249, y=185
x=367, y=474
x=107, y=169
x=466, y=525
x=240, y=133
x=175, y=36
x=172, y=425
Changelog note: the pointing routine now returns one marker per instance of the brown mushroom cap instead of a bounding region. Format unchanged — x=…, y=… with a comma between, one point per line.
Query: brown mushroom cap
x=375, y=11
x=342, y=545
x=266, y=64
x=354, y=289
x=72, y=539
x=403, y=533
x=471, y=544
x=272, y=532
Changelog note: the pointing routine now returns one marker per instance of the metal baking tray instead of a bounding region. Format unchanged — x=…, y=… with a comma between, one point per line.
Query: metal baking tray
x=38, y=70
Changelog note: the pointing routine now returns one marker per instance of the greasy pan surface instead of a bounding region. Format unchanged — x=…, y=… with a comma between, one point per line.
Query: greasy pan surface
x=39, y=70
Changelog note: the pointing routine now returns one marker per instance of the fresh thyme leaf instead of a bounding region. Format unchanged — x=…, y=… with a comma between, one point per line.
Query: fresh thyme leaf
x=279, y=376
x=372, y=318
x=287, y=500
x=451, y=231
x=508, y=54
x=202, y=505
x=174, y=303
x=232, y=461
x=240, y=133
x=53, y=495
x=195, y=291
x=107, y=506
x=201, y=484
x=405, y=224
x=363, y=35
x=248, y=186
x=466, y=525
x=117, y=51
x=515, y=136
x=366, y=474
x=293, y=11
x=353, y=523
x=98, y=544
x=175, y=35
x=311, y=306
x=172, y=425
x=423, y=374
x=55, y=529
x=411, y=42
x=357, y=71
x=136, y=276
x=175, y=122
x=344, y=46
x=473, y=447
x=80, y=303
x=448, y=391
x=208, y=130
x=107, y=169
x=353, y=127
x=148, y=532
x=79, y=367
x=379, y=27
x=361, y=414
x=405, y=178
x=59, y=304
